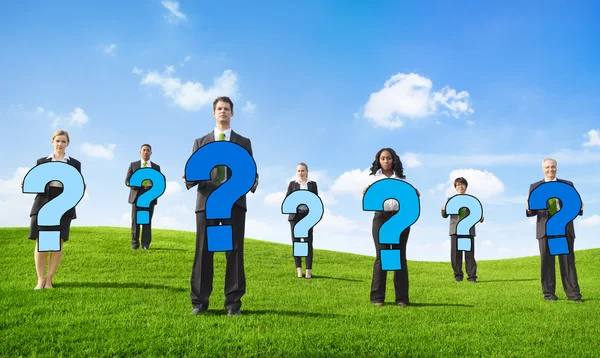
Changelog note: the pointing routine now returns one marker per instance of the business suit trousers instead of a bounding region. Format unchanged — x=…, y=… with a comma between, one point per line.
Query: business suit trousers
x=309, y=258
x=203, y=269
x=456, y=258
x=568, y=272
x=378, y=284
x=146, y=230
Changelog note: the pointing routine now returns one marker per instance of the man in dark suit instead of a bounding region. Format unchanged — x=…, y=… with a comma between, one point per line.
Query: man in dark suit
x=568, y=272
x=202, y=270
x=135, y=192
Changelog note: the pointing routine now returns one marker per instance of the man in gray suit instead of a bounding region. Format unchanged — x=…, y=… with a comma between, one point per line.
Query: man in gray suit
x=456, y=256
x=202, y=270
x=135, y=192
x=568, y=272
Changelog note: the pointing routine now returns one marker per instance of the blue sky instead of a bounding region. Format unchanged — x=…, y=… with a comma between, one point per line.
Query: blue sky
x=481, y=90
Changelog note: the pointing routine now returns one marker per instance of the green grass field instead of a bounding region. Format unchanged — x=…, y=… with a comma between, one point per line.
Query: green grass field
x=111, y=301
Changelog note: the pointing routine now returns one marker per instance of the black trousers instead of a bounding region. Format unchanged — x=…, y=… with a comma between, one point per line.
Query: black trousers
x=380, y=276
x=456, y=258
x=146, y=230
x=568, y=272
x=203, y=268
x=309, y=258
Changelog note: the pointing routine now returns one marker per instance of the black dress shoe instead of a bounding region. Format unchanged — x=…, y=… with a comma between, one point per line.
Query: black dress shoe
x=458, y=279
x=200, y=310
x=145, y=247
x=577, y=300
x=551, y=298
x=234, y=313
x=135, y=247
x=474, y=281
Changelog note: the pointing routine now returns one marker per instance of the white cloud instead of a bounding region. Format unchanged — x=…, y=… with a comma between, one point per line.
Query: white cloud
x=275, y=199
x=470, y=122
x=174, y=15
x=110, y=49
x=249, y=109
x=77, y=117
x=172, y=188
x=39, y=110
x=14, y=204
x=482, y=184
x=137, y=71
x=409, y=96
x=593, y=138
x=352, y=182
x=410, y=160
x=189, y=95
x=186, y=59
x=98, y=151
x=593, y=220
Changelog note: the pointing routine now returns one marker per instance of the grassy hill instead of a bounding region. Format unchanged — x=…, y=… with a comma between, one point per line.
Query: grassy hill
x=111, y=301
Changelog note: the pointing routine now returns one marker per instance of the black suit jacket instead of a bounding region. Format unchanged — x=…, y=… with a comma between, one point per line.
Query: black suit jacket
x=293, y=186
x=42, y=198
x=135, y=192
x=205, y=187
x=542, y=215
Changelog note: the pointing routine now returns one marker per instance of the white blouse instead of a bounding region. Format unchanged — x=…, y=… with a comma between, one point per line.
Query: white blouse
x=389, y=204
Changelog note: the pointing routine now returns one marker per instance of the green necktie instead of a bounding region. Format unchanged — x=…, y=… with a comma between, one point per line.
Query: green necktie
x=145, y=182
x=221, y=168
x=553, y=206
x=462, y=213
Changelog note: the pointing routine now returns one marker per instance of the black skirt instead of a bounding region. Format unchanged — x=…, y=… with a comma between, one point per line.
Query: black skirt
x=65, y=221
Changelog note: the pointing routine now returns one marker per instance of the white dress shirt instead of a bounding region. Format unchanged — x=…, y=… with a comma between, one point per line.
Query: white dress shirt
x=227, y=132
x=389, y=204
x=56, y=183
x=303, y=187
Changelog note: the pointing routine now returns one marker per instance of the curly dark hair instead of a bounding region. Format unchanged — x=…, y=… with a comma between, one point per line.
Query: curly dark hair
x=396, y=163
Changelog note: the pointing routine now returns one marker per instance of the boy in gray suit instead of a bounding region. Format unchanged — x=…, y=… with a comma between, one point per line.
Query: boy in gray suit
x=456, y=256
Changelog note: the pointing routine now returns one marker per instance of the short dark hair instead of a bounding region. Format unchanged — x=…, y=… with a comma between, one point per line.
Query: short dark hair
x=222, y=99
x=146, y=145
x=462, y=181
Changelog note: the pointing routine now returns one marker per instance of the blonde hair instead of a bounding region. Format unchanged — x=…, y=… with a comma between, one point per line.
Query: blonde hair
x=61, y=132
x=304, y=165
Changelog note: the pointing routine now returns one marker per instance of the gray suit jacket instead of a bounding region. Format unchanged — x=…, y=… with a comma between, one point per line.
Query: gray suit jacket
x=542, y=215
x=205, y=187
x=135, y=192
x=454, y=222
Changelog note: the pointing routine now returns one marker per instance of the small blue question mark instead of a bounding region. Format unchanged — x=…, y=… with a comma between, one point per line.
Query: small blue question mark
x=390, y=231
x=142, y=204
x=557, y=224
x=220, y=202
x=463, y=229
x=315, y=214
x=50, y=214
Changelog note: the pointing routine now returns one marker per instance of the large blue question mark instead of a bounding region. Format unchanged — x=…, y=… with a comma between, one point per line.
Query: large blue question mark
x=463, y=229
x=49, y=215
x=219, y=203
x=556, y=225
x=142, y=204
x=390, y=231
x=315, y=214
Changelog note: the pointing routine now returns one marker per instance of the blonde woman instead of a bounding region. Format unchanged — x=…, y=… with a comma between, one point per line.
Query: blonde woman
x=60, y=142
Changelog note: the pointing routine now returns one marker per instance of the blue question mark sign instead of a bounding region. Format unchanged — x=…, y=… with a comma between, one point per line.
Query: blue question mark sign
x=410, y=209
x=315, y=214
x=220, y=202
x=557, y=224
x=49, y=215
x=142, y=204
x=463, y=229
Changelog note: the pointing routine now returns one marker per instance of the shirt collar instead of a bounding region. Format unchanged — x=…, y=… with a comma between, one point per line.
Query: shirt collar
x=307, y=181
x=546, y=180
x=227, y=132
x=148, y=162
x=51, y=156
x=380, y=173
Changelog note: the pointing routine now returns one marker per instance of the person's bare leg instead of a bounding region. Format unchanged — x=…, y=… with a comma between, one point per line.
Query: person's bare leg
x=40, y=265
x=55, y=258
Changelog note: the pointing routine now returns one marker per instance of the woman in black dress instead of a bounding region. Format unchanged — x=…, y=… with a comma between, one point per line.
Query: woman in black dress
x=60, y=141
